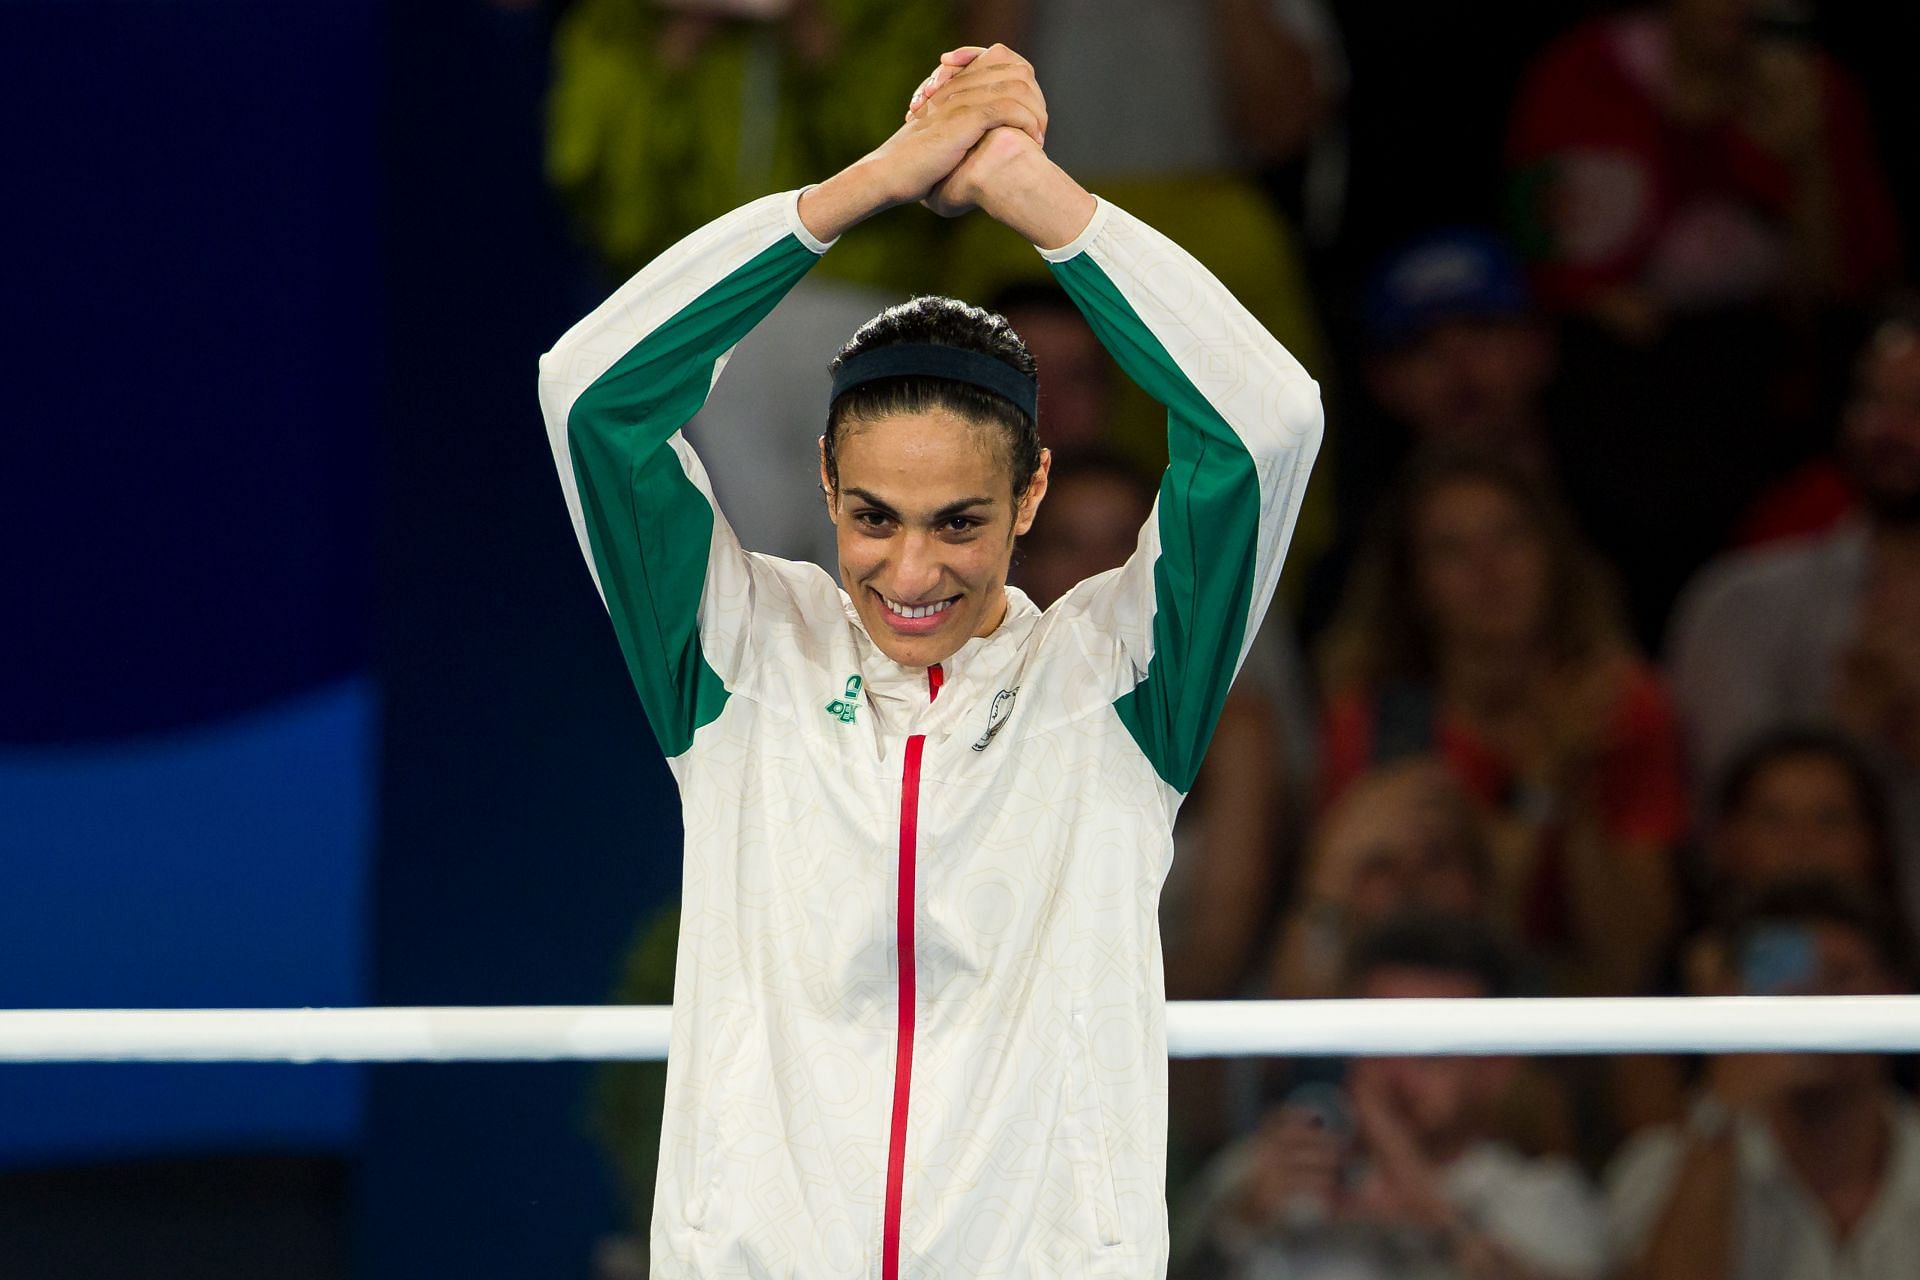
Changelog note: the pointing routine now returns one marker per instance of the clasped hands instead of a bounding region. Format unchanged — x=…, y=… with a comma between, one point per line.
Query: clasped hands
x=971, y=139
x=982, y=109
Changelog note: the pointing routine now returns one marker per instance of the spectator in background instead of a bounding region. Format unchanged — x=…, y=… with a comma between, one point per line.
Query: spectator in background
x=1798, y=803
x=1077, y=376
x=1789, y=1165
x=1827, y=630
x=1108, y=499
x=1397, y=1171
x=1478, y=630
x=1405, y=838
x=1461, y=359
x=1693, y=156
x=1457, y=358
x=1700, y=197
x=1795, y=803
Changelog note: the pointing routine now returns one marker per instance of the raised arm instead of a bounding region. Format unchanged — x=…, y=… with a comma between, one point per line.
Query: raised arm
x=1243, y=425
x=618, y=386
x=615, y=391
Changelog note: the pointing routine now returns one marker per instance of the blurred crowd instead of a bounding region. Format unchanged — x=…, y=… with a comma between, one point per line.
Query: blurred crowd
x=1596, y=670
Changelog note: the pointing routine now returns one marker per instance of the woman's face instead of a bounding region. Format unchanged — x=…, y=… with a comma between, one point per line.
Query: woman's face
x=1480, y=566
x=1801, y=816
x=925, y=520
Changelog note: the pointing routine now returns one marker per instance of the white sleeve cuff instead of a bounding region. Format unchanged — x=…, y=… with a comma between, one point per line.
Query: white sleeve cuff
x=799, y=228
x=1075, y=247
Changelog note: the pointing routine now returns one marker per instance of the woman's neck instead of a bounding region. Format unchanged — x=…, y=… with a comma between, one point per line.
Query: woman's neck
x=994, y=616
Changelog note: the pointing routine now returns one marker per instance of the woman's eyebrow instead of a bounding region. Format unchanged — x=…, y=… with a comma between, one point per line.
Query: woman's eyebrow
x=953, y=509
x=871, y=500
x=947, y=512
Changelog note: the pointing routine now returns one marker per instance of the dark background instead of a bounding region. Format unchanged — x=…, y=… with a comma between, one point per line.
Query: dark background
x=306, y=701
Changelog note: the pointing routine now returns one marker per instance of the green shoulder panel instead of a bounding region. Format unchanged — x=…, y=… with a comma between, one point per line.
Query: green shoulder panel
x=1209, y=529
x=650, y=526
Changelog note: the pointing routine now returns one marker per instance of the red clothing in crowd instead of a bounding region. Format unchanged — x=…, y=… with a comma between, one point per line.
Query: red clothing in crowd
x=1813, y=500
x=1639, y=781
x=1618, y=192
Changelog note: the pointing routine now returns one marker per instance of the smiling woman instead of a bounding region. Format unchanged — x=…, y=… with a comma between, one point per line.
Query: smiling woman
x=919, y=1020
x=932, y=466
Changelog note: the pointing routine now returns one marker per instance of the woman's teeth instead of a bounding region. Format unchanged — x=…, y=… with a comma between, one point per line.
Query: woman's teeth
x=920, y=611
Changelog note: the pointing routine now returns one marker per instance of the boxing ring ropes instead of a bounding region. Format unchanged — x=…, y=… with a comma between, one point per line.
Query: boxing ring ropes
x=1324, y=1028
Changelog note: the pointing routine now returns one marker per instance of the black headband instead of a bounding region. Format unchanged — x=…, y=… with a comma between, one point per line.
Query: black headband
x=933, y=360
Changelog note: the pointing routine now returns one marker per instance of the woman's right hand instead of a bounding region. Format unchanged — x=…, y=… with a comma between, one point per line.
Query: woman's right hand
x=973, y=92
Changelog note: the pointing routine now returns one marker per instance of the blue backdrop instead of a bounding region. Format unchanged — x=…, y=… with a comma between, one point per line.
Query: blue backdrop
x=307, y=698
x=189, y=724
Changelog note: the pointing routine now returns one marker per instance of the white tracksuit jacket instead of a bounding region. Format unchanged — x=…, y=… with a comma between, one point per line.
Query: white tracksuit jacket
x=919, y=1016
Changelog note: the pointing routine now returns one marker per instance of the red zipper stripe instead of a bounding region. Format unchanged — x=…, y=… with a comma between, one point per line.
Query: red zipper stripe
x=903, y=1039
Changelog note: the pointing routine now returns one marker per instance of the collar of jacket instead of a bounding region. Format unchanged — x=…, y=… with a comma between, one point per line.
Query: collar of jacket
x=900, y=692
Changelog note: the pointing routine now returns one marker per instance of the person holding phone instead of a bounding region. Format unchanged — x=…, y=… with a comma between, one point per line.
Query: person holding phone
x=1397, y=1171
x=1789, y=1166
x=918, y=1015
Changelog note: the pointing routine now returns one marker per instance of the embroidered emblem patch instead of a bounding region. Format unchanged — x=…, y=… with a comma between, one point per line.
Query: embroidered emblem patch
x=843, y=707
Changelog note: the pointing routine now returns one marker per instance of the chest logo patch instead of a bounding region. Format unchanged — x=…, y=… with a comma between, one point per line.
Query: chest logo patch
x=998, y=715
x=843, y=707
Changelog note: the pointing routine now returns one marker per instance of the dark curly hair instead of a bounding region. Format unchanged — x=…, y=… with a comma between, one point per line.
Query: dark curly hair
x=1785, y=742
x=1451, y=943
x=946, y=322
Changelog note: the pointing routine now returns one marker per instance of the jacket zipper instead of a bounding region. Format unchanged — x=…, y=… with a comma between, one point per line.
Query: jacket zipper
x=903, y=1040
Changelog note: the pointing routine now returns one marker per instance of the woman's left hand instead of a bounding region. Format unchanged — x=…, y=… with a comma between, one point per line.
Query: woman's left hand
x=1006, y=173
x=994, y=90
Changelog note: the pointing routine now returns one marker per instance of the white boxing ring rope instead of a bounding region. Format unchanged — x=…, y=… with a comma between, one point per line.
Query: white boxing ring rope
x=1312, y=1028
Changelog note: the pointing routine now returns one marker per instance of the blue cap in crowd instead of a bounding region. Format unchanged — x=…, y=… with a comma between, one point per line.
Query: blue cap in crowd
x=1446, y=275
